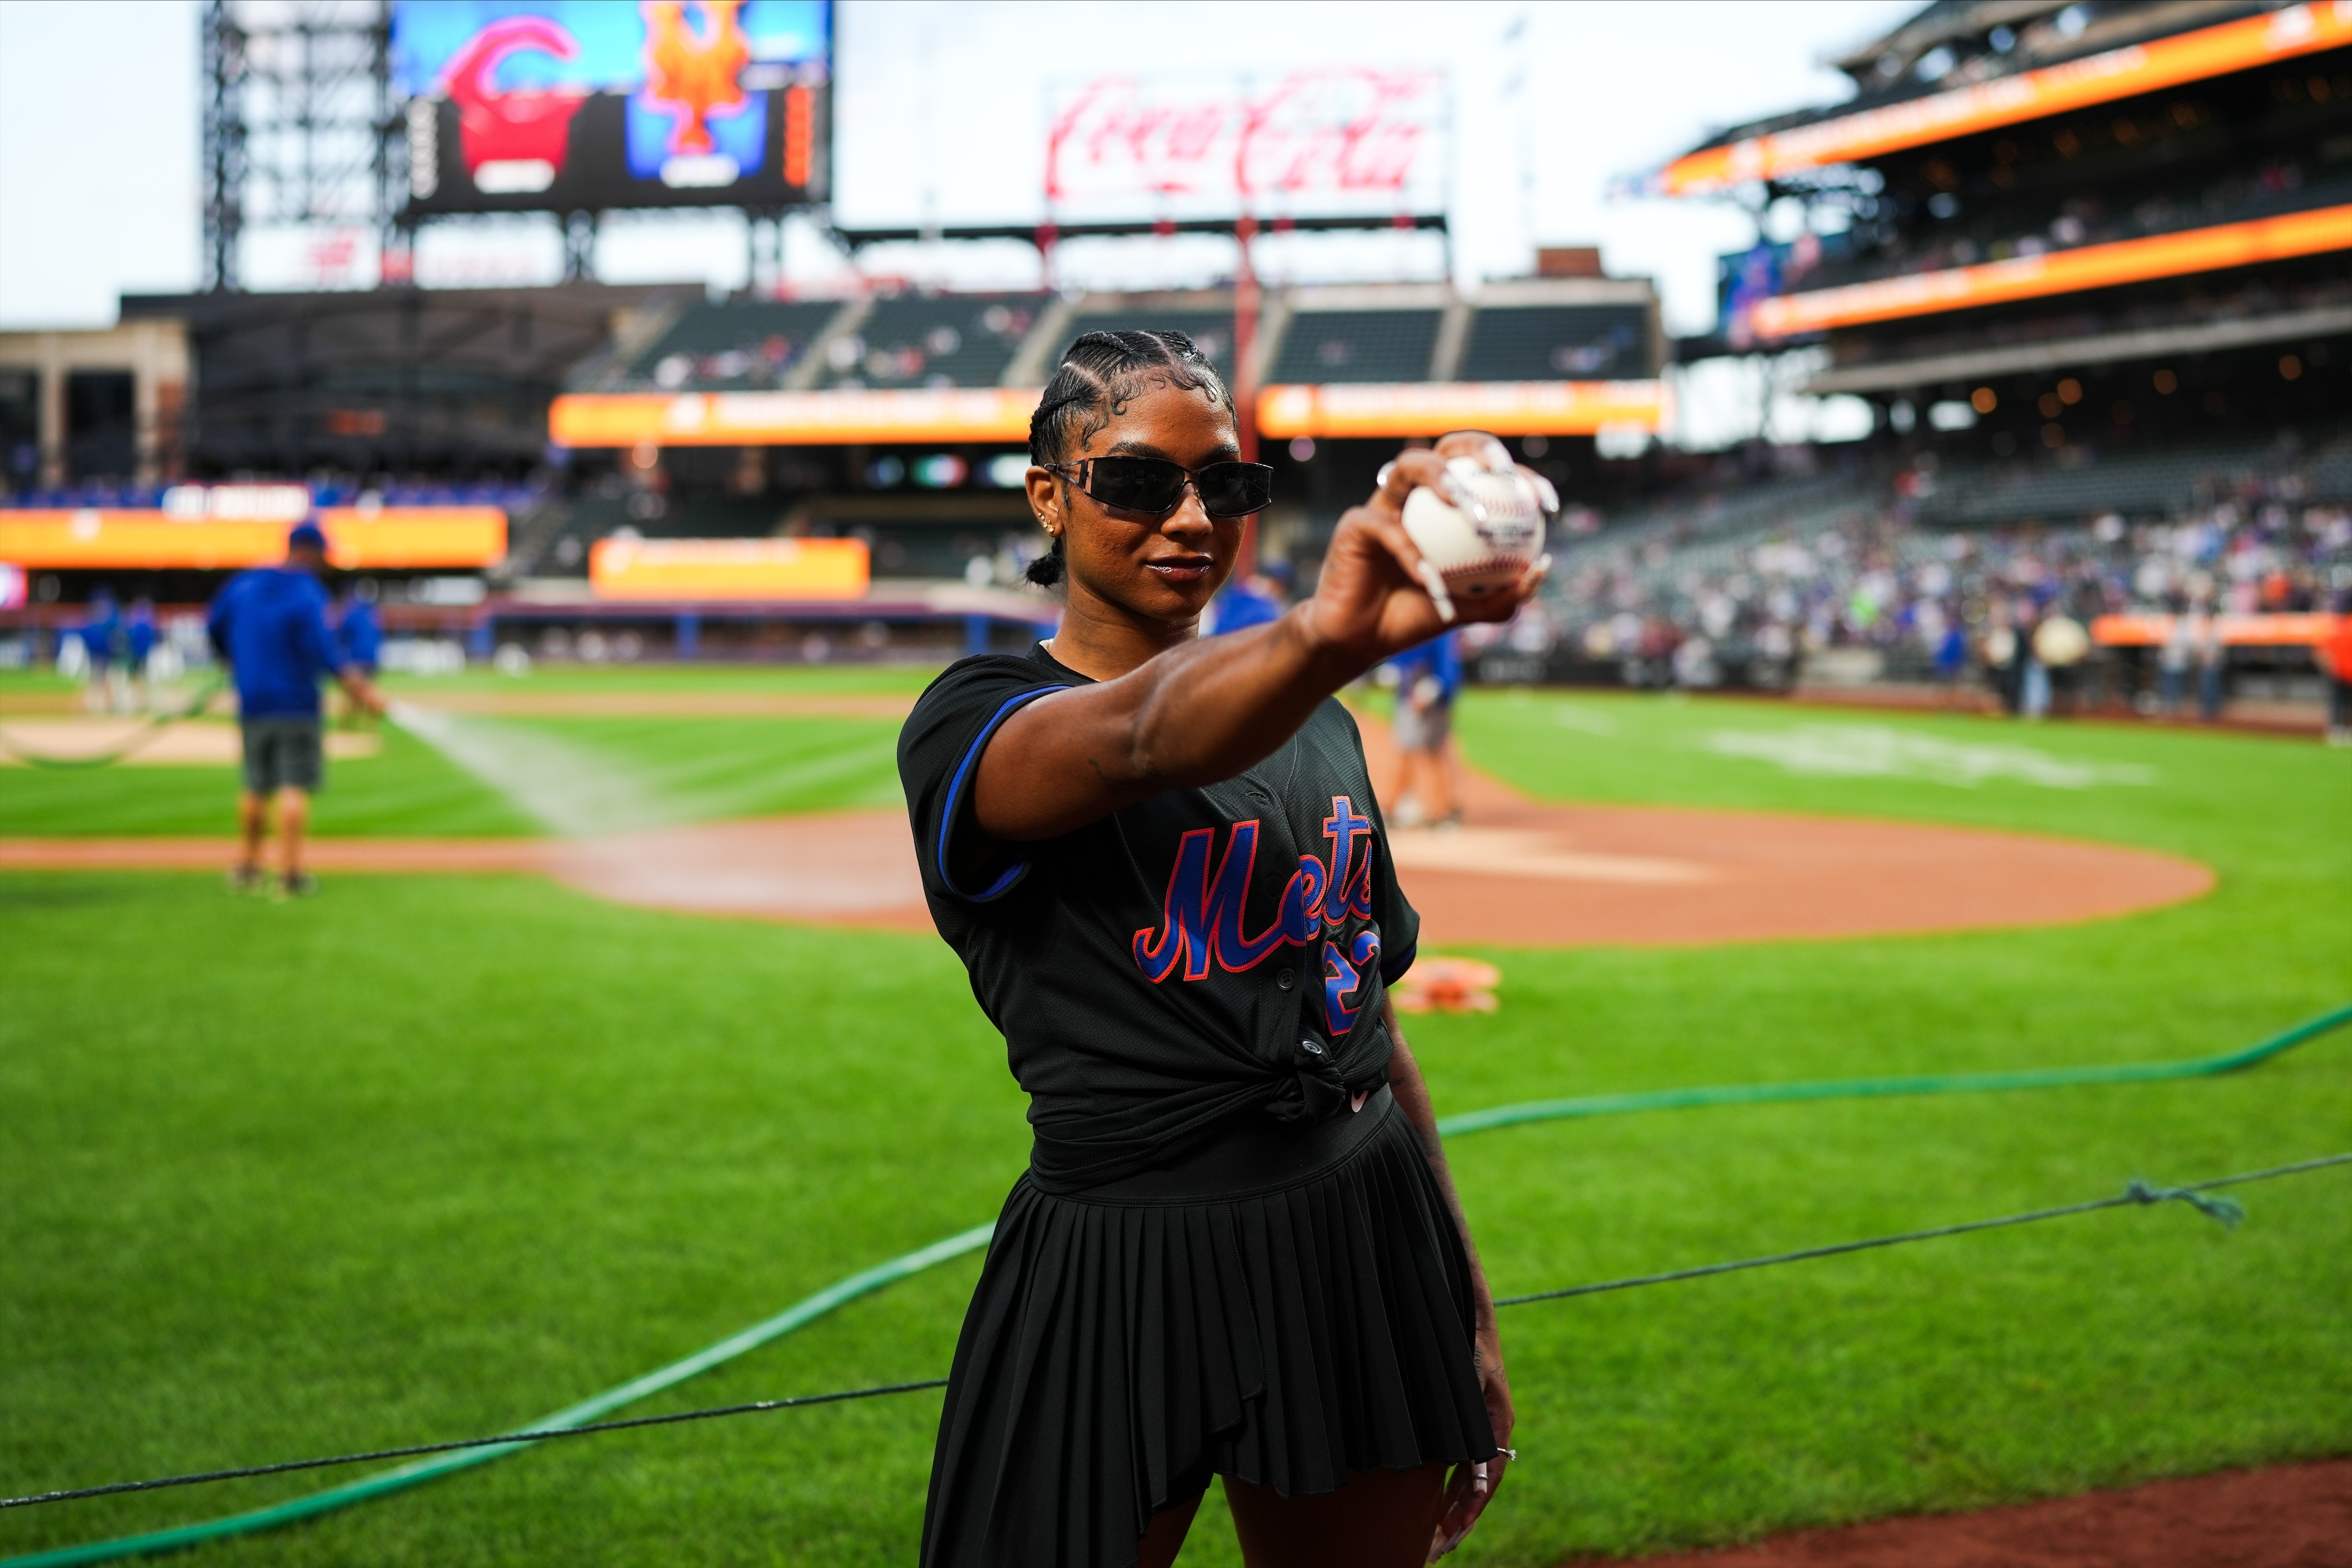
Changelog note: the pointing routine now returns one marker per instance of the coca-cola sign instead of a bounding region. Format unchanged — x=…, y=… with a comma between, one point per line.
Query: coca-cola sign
x=1342, y=139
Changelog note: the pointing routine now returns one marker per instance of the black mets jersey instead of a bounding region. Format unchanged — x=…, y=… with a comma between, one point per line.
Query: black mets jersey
x=1200, y=954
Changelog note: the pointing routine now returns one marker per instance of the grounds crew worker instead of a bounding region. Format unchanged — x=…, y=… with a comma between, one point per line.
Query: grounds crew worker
x=271, y=625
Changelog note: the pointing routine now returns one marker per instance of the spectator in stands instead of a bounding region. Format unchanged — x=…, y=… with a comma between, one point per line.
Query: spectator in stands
x=2212, y=663
x=1952, y=652
x=2060, y=645
x=269, y=625
x=138, y=647
x=2005, y=658
x=361, y=636
x=2336, y=662
x=2033, y=675
x=2175, y=660
x=1421, y=787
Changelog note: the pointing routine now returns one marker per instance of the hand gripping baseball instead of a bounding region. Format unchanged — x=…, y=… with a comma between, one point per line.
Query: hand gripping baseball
x=1379, y=594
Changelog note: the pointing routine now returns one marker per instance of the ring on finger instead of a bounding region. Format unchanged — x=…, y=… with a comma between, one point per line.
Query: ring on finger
x=1380, y=480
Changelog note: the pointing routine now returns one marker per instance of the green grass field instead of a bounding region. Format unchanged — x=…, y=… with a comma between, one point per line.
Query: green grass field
x=428, y=1157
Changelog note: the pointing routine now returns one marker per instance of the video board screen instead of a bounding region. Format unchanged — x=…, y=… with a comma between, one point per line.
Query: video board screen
x=585, y=105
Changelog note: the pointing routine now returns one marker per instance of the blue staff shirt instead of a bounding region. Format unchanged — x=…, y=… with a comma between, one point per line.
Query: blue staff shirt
x=102, y=634
x=1436, y=659
x=1241, y=605
x=360, y=634
x=270, y=624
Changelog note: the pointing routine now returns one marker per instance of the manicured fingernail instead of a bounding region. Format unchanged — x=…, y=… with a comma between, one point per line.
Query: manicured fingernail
x=1434, y=582
x=1464, y=498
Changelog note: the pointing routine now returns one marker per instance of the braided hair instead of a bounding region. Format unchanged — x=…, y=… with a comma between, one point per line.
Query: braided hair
x=1098, y=375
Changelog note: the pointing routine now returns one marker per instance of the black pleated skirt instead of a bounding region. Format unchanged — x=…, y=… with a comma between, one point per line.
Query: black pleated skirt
x=1287, y=1305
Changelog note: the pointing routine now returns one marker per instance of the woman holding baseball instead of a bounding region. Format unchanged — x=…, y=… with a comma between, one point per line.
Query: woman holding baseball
x=1236, y=1251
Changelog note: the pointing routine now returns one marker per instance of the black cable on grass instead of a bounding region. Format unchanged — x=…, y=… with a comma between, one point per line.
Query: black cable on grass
x=414, y=1449
x=2138, y=1193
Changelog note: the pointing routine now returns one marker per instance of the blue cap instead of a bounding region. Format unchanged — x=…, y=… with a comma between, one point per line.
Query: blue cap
x=307, y=536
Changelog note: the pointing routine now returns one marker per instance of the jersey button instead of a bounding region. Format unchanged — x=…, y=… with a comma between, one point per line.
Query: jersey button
x=1285, y=979
x=1311, y=1047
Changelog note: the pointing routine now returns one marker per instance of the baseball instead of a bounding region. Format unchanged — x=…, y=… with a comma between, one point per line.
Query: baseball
x=1478, y=558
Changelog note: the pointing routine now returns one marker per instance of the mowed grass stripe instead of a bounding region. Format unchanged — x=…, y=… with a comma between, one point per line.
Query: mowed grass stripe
x=709, y=769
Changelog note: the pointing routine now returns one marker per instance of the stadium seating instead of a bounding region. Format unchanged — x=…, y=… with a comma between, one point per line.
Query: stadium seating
x=934, y=340
x=1557, y=342
x=734, y=345
x=2138, y=483
x=1323, y=346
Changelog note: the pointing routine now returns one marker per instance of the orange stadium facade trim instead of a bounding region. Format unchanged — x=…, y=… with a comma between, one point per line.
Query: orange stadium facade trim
x=2274, y=631
x=791, y=418
x=679, y=569
x=1433, y=408
x=2098, y=78
x=2057, y=272
x=390, y=538
x=1002, y=414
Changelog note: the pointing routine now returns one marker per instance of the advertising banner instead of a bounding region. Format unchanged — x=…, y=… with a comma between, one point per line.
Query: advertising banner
x=2274, y=631
x=2055, y=272
x=1433, y=408
x=674, y=570
x=387, y=538
x=791, y=419
x=1002, y=414
x=1334, y=140
x=585, y=105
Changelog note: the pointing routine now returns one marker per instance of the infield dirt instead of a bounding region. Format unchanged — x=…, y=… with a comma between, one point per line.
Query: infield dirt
x=1521, y=873
x=2288, y=1516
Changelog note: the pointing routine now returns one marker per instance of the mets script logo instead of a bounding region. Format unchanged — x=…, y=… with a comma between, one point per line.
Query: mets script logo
x=1201, y=919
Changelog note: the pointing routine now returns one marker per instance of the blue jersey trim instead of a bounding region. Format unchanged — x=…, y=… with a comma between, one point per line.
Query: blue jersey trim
x=1018, y=869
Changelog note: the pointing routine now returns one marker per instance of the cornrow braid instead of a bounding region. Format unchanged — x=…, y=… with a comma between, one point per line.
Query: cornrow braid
x=1099, y=373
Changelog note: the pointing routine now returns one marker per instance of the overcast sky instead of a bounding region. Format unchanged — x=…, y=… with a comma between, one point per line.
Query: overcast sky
x=941, y=116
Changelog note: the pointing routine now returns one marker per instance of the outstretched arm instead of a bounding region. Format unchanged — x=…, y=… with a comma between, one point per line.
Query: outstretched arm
x=359, y=689
x=1206, y=711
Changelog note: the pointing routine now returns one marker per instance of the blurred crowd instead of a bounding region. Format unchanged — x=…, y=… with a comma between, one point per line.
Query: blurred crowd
x=1921, y=603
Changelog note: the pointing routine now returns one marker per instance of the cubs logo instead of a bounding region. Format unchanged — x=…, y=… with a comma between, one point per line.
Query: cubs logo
x=1202, y=916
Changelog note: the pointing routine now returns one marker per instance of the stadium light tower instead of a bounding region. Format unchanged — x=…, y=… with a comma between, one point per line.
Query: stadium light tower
x=298, y=127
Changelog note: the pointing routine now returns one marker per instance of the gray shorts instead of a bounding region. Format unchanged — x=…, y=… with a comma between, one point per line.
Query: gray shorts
x=282, y=752
x=1423, y=729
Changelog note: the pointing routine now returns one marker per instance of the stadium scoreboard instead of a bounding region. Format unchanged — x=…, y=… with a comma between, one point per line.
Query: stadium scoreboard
x=591, y=105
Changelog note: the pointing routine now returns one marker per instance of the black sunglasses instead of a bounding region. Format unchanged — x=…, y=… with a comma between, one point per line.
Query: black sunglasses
x=1155, y=486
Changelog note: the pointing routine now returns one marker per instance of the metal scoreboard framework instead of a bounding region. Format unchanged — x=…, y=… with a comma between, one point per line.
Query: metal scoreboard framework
x=389, y=114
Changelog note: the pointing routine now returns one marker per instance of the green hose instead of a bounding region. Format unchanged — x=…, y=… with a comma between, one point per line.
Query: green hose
x=813, y=1307
x=1876, y=1087
x=145, y=734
